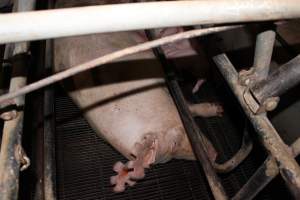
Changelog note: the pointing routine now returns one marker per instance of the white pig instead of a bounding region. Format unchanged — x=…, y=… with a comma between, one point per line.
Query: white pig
x=127, y=102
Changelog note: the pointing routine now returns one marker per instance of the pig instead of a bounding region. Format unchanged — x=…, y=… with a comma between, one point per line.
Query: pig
x=127, y=102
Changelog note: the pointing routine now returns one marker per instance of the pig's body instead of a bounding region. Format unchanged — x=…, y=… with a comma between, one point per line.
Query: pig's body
x=126, y=102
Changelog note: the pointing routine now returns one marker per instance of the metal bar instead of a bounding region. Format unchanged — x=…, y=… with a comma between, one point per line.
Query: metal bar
x=239, y=157
x=10, y=157
x=49, y=146
x=49, y=137
x=281, y=80
x=39, y=25
x=263, y=176
x=12, y=154
x=288, y=167
x=263, y=53
x=194, y=134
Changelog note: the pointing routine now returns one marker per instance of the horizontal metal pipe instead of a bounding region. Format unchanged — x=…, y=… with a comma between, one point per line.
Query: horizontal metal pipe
x=288, y=167
x=278, y=82
x=134, y=16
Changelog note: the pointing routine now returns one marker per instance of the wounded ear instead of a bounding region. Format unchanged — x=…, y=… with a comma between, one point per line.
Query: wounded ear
x=144, y=156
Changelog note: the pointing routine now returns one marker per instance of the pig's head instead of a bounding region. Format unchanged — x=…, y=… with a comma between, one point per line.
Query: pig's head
x=153, y=148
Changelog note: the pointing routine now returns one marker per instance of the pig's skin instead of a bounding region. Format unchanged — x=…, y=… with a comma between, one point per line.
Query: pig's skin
x=127, y=102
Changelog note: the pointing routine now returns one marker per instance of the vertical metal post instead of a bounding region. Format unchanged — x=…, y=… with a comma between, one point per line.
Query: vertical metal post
x=11, y=148
x=49, y=140
x=263, y=53
x=12, y=154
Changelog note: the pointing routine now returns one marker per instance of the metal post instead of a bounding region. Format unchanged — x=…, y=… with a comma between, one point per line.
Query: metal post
x=262, y=59
x=288, y=167
x=12, y=154
x=11, y=149
x=263, y=53
x=49, y=138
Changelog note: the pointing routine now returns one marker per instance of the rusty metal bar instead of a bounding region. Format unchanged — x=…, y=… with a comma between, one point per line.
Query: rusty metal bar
x=49, y=126
x=10, y=158
x=194, y=134
x=39, y=25
x=288, y=167
x=49, y=167
x=262, y=59
x=239, y=157
x=12, y=155
x=263, y=53
x=263, y=176
x=278, y=82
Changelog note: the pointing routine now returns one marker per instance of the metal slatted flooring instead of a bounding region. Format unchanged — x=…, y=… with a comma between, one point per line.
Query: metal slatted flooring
x=84, y=163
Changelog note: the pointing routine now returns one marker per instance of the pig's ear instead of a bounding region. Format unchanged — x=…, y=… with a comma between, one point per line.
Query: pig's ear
x=146, y=152
x=149, y=148
x=144, y=156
